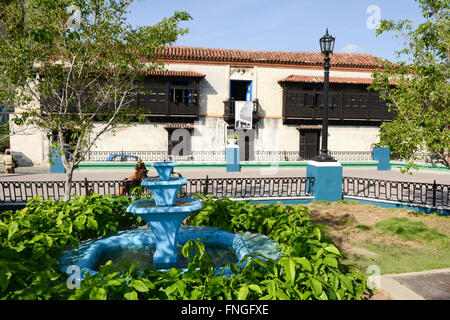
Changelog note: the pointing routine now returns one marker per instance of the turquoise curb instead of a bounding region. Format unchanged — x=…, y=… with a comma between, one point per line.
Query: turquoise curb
x=288, y=164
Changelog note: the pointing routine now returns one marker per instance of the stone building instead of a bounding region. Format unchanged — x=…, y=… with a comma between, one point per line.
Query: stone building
x=192, y=106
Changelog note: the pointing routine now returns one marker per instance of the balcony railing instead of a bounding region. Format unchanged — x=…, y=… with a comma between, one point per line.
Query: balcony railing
x=170, y=101
x=308, y=105
x=229, y=111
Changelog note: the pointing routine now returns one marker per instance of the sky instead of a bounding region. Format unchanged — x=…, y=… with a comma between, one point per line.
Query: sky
x=283, y=25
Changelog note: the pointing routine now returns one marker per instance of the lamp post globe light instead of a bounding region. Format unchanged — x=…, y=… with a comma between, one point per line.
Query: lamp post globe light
x=326, y=47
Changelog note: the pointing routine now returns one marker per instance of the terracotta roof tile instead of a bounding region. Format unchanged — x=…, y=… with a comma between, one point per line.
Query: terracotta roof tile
x=179, y=126
x=310, y=127
x=269, y=57
x=318, y=79
x=172, y=73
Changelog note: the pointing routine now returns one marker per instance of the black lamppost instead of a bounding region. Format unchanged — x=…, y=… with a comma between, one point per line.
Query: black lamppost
x=326, y=47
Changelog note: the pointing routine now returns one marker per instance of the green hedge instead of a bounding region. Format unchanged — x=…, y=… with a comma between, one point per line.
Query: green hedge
x=32, y=239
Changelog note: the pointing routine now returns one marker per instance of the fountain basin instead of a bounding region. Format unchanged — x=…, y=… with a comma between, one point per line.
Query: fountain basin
x=90, y=252
x=165, y=223
x=164, y=192
x=164, y=169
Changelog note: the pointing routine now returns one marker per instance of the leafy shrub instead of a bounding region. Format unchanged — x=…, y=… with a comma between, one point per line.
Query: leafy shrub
x=32, y=239
x=310, y=267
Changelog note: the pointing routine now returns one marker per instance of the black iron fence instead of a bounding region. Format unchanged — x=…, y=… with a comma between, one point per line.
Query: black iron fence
x=431, y=194
x=251, y=187
x=22, y=191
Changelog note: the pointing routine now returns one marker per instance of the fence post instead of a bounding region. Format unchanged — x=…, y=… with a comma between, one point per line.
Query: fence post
x=205, y=190
x=86, y=186
x=434, y=193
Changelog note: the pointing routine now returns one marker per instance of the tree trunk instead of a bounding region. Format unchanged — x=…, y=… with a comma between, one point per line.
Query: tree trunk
x=68, y=185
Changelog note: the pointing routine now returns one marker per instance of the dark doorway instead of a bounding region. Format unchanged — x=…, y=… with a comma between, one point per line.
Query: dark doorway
x=247, y=148
x=309, y=143
x=241, y=90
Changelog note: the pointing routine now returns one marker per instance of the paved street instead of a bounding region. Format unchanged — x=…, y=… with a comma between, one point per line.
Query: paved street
x=43, y=174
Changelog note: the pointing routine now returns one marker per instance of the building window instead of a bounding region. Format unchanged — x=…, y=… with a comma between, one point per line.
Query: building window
x=180, y=93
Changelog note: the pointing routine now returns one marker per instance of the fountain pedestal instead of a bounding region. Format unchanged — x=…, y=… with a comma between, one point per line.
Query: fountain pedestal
x=164, y=213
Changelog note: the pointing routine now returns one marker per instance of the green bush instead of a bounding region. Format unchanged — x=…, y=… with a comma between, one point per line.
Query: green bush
x=310, y=268
x=31, y=241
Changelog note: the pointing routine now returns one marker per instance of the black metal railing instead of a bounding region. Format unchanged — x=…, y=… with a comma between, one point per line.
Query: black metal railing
x=22, y=191
x=229, y=110
x=432, y=194
x=260, y=155
x=251, y=187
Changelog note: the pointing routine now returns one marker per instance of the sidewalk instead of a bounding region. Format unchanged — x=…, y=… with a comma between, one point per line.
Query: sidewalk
x=424, y=285
x=43, y=174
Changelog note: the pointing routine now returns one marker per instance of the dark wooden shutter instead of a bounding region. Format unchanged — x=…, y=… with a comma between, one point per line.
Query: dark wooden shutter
x=309, y=143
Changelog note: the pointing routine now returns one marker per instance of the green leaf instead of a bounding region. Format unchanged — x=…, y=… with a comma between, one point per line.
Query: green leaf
x=281, y=294
x=13, y=227
x=187, y=249
x=317, y=233
x=139, y=286
x=92, y=223
x=289, y=268
x=333, y=249
x=97, y=294
x=131, y=295
x=4, y=278
x=79, y=223
x=303, y=262
x=243, y=292
x=330, y=261
x=255, y=288
x=36, y=238
x=181, y=286
x=316, y=286
x=346, y=283
x=47, y=241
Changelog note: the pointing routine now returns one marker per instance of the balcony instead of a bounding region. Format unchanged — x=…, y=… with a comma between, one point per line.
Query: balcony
x=343, y=106
x=230, y=111
x=170, y=101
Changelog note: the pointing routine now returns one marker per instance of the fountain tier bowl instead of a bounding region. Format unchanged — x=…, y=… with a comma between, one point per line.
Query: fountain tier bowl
x=150, y=207
x=164, y=169
x=165, y=223
x=164, y=192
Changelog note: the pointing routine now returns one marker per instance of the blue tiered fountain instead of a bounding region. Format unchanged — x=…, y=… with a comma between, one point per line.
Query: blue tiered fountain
x=156, y=247
x=164, y=213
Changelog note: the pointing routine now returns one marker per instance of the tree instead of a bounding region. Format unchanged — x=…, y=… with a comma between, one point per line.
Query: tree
x=420, y=96
x=68, y=64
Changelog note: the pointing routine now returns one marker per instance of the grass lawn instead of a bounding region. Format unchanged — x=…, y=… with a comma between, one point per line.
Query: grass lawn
x=396, y=240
